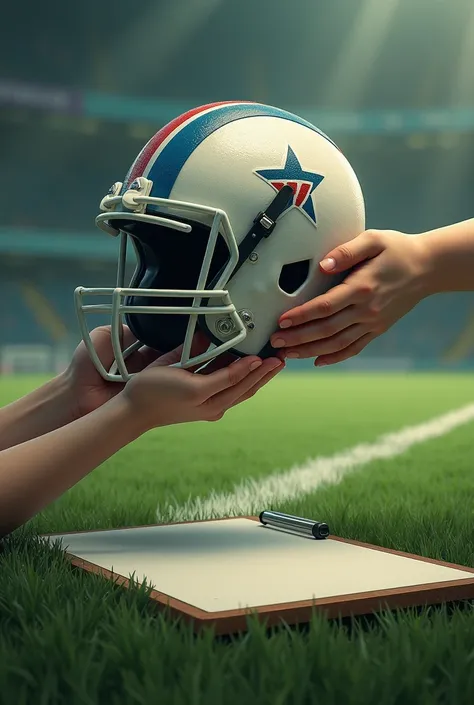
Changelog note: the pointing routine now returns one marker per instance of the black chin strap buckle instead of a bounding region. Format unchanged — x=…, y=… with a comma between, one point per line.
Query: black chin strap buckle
x=267, y=219
x=267, y=223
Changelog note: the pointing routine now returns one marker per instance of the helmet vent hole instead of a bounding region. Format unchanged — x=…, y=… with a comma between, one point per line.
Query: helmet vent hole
x=294, y=275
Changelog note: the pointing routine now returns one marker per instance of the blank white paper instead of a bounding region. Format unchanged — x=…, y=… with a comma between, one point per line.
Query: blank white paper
x=238, y=563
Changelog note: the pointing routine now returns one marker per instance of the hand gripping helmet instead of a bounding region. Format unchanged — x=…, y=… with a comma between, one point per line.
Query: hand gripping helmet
x=230, y=207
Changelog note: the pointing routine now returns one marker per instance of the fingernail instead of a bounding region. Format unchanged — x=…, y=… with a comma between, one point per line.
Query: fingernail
x=275, y=364
x=278, y=343
x=255, y=365
x=328, y=264
x=293, y=355
x=320, y=364
x=286, y=323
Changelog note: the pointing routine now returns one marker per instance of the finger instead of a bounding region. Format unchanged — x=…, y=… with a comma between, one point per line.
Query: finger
x=142, y=358
x=316, y=330
x=364, y=246
x=147, y=356
x=199, y=345
x=351, y=350
x=344, y=257
x=218, y=381
x=223, y=360
x=102, y=342
x=327, y=346
x=226, y=398
x=261, y=383
x=353, y=290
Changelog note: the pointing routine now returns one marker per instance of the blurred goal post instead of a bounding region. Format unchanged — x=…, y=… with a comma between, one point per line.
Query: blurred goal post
x=34, y=359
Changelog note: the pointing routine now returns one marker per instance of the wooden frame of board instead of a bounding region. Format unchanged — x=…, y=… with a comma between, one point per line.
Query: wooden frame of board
x=291, y=613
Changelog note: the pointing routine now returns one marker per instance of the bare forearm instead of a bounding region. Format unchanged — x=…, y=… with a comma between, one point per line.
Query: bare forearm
x=44, y=410
x=34, y=473
x=449, y=256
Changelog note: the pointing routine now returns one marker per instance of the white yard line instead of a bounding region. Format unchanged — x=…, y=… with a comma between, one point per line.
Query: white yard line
x=250, y=496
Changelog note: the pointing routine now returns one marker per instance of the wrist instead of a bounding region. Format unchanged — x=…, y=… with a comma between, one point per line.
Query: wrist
x=62, y=396
x=426, y=265
x=124, y=415
x=448, y=256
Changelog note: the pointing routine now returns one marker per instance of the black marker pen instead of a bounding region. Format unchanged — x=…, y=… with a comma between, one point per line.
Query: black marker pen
x=305, y=527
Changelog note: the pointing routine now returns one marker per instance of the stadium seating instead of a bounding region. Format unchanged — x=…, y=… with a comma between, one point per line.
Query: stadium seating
x=40, y=310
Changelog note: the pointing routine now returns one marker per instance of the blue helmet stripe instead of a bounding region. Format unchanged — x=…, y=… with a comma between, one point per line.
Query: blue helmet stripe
x=171, y=160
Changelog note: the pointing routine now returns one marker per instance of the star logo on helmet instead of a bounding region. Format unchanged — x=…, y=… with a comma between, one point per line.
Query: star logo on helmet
x=302, y=183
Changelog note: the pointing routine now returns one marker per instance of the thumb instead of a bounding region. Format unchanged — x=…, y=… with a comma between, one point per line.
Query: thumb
x=101, y=338
x=346, y=256
x=199, y=345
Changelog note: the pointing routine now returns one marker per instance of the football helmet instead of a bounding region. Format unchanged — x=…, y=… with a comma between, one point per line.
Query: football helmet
x=230, y=207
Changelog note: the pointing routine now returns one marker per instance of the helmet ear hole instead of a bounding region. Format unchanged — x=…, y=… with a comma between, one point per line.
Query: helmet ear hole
x=294, y=275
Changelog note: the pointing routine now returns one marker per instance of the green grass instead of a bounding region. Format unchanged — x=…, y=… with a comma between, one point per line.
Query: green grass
x=68, y=637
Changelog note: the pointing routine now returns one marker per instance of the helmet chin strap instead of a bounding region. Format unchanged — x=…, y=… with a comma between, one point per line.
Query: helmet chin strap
x=263, y=225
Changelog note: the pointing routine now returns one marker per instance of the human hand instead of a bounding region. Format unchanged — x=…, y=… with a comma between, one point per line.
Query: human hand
x=87, y=389
x=161, y=395
x=385, y=282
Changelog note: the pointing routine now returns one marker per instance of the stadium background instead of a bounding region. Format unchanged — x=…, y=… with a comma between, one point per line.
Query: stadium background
x=82, y=87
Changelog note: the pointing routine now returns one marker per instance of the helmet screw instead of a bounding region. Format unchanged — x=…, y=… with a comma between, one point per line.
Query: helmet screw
x=247, y=318
x=253, y=257
x=225, y=326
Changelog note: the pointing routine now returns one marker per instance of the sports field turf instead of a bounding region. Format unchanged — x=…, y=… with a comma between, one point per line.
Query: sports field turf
x=74, y=638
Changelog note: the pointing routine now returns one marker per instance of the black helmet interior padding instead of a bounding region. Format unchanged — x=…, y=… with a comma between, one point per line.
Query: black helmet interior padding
x=161, y=265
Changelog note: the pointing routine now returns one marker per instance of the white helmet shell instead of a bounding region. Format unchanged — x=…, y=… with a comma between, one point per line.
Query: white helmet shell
x=221, y=167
